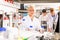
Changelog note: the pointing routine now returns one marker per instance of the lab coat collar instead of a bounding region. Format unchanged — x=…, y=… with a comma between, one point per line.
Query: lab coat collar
x=44, y=16
x=30, y=18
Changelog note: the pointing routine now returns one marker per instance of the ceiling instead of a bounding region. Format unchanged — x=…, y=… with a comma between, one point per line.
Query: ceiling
x=37, y=1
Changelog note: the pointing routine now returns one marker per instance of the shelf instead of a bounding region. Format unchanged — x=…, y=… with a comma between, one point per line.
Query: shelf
x=22, y=11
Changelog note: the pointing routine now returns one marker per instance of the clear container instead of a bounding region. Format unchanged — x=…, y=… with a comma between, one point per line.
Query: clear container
x=2, y=34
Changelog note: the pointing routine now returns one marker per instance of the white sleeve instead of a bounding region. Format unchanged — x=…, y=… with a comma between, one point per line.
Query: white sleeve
x=23, y=25
x=39, y=25
x=40, y=22
x=50, y=22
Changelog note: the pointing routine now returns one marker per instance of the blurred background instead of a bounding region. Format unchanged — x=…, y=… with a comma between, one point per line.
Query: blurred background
x=12, y=11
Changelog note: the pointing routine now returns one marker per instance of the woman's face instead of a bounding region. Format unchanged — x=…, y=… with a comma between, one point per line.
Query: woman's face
x=44, y=14
x=30, y=10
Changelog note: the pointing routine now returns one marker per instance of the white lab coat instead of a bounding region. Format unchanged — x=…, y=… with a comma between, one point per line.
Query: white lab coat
x=52, y=19
x=45, y=18
x=27, y=23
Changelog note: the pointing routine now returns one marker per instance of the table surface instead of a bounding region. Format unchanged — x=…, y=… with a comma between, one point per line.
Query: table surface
x=57, y=35
x=35, y=33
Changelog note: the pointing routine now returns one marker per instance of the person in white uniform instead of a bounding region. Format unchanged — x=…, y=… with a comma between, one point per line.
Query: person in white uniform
x=45, y=21
x=54, y=18
x=30, y=22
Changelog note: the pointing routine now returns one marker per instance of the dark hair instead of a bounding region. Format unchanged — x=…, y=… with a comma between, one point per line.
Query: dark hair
x=44, y=10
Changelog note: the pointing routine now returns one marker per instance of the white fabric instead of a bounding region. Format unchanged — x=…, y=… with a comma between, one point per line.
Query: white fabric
x=51, y=18
x=45, y=18
x=27, y=23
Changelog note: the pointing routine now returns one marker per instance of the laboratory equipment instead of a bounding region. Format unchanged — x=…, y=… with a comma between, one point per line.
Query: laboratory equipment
x=40, y=38
x=20, y=38
x=6, y=20
x=1, y=20
x=2, y=33
x=44, y=25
